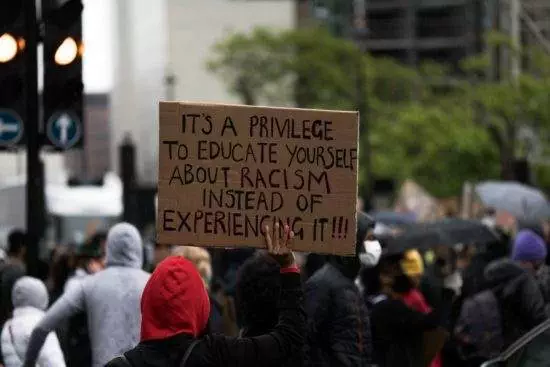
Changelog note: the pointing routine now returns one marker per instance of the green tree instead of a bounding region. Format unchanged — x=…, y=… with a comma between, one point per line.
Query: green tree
x=511, y=103
x=415, y=133
x=437, y=145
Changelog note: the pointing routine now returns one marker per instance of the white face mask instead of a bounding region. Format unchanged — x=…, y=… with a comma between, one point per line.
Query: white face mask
x=372, y=254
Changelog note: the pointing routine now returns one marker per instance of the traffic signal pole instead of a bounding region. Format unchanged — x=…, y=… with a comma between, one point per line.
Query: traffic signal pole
x=35, y=170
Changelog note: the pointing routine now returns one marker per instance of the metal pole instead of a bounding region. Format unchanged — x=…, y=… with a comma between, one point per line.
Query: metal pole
x=515, y=33
x=34, y=171
x=364, y=132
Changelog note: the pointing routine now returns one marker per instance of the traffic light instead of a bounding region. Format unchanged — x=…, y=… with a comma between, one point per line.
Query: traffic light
x=63, y=87
x=12, y=73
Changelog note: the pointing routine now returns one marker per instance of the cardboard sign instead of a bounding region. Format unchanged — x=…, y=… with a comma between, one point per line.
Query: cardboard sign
x=226, y=171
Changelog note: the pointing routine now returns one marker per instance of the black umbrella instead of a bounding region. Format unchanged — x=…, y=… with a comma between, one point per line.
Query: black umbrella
x=446, y=232
x=393, y=218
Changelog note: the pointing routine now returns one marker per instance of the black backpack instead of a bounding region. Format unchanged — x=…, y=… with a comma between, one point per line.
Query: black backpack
x=122, y=361
x=479, y=327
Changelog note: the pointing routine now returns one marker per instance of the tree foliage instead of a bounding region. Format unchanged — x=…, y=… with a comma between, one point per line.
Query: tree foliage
x=510, y=104
x=416, y=130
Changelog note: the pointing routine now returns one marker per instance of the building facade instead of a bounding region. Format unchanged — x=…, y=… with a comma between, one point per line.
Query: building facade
x=410, y=31
x=162, y=51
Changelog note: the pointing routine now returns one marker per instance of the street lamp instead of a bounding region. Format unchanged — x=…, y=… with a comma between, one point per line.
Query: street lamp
x=8, y=47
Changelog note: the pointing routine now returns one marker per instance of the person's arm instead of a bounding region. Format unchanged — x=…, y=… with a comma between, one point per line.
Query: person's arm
x=287, y=338
x=51, y=354
x=67, y=305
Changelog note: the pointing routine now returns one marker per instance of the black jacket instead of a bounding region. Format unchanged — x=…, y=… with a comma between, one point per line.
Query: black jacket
x=398, y=331
x=338, y=330
x=519, y=296
x=273, y=349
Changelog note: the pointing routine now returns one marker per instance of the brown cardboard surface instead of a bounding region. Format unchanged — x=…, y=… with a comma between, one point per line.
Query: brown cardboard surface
x=224, y=170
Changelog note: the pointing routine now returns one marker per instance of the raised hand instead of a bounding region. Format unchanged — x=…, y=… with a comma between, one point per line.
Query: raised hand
x=279, y=248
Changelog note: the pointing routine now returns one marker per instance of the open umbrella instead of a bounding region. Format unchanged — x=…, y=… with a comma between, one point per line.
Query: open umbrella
x=447, y=232
x=523, y=202
x=393, y=218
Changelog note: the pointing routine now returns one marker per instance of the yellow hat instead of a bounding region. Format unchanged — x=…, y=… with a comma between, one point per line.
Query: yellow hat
x=412, y=264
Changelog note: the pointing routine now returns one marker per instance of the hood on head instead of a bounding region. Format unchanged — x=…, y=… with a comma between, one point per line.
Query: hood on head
x=502, y=271
x=174, y=301
x=30, y=292
x=365, y=223
x=350, y=265
x=124, y=246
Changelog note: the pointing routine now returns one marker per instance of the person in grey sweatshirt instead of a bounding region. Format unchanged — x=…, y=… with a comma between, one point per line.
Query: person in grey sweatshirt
x=110, y=298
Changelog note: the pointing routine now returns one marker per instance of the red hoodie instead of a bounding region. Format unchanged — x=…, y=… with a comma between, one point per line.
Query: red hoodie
x=174, y=301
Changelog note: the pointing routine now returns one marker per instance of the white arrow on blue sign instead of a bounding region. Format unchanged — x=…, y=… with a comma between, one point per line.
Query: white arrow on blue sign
x=64, y=130
x=11, y=128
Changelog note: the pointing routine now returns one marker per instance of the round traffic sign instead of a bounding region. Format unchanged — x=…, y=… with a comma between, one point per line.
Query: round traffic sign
x=11, y=128
x=64, y=129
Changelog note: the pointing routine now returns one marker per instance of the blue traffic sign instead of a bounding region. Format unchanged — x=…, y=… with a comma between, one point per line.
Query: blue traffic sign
x=11, y=128
x=64, y=129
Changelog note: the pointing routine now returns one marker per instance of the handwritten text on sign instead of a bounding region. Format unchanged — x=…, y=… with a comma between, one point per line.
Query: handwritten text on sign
x=227, y=171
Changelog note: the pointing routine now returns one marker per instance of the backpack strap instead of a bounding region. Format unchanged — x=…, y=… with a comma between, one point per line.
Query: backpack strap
x=120, y=361
x=12, y=339
x=188, y=352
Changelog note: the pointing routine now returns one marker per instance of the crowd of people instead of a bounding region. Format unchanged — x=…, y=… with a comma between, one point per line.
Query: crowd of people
x=102, y=305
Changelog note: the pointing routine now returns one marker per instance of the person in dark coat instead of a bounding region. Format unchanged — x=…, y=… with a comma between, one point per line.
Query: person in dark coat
x=530, y=252
x=338, y=331
x=519, y=296
x=13, y=269
x=444, y=265
x=397, y=329
x=76, y=340
x=175, y=310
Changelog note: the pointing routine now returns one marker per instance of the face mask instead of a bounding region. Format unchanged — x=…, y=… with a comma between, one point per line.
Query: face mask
x=372, y=254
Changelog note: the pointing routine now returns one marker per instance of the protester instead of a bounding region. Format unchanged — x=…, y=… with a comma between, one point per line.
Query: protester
x=175, y=310
x=76, y=340
x=443, y=270
x=232, y=259
x=495, y=318
x=398, y=330
x=474, y=273
x=61, y=268
x=110, y=298
x=90, y=259
x=413, y=267
x=338, y=331
x=222, y=308
x=12, y=269
x=530, y=252
x=30, y=299
x=258, y=295
x=200, y=258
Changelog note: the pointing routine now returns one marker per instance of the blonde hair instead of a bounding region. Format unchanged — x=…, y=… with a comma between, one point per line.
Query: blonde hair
x=200, y=257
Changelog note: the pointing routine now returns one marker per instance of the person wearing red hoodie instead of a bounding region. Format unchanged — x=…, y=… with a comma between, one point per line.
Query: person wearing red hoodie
x=175, y=310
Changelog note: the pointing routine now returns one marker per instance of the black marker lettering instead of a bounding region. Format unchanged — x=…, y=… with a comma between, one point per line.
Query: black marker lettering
x=228, y=124
x=167, y=220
